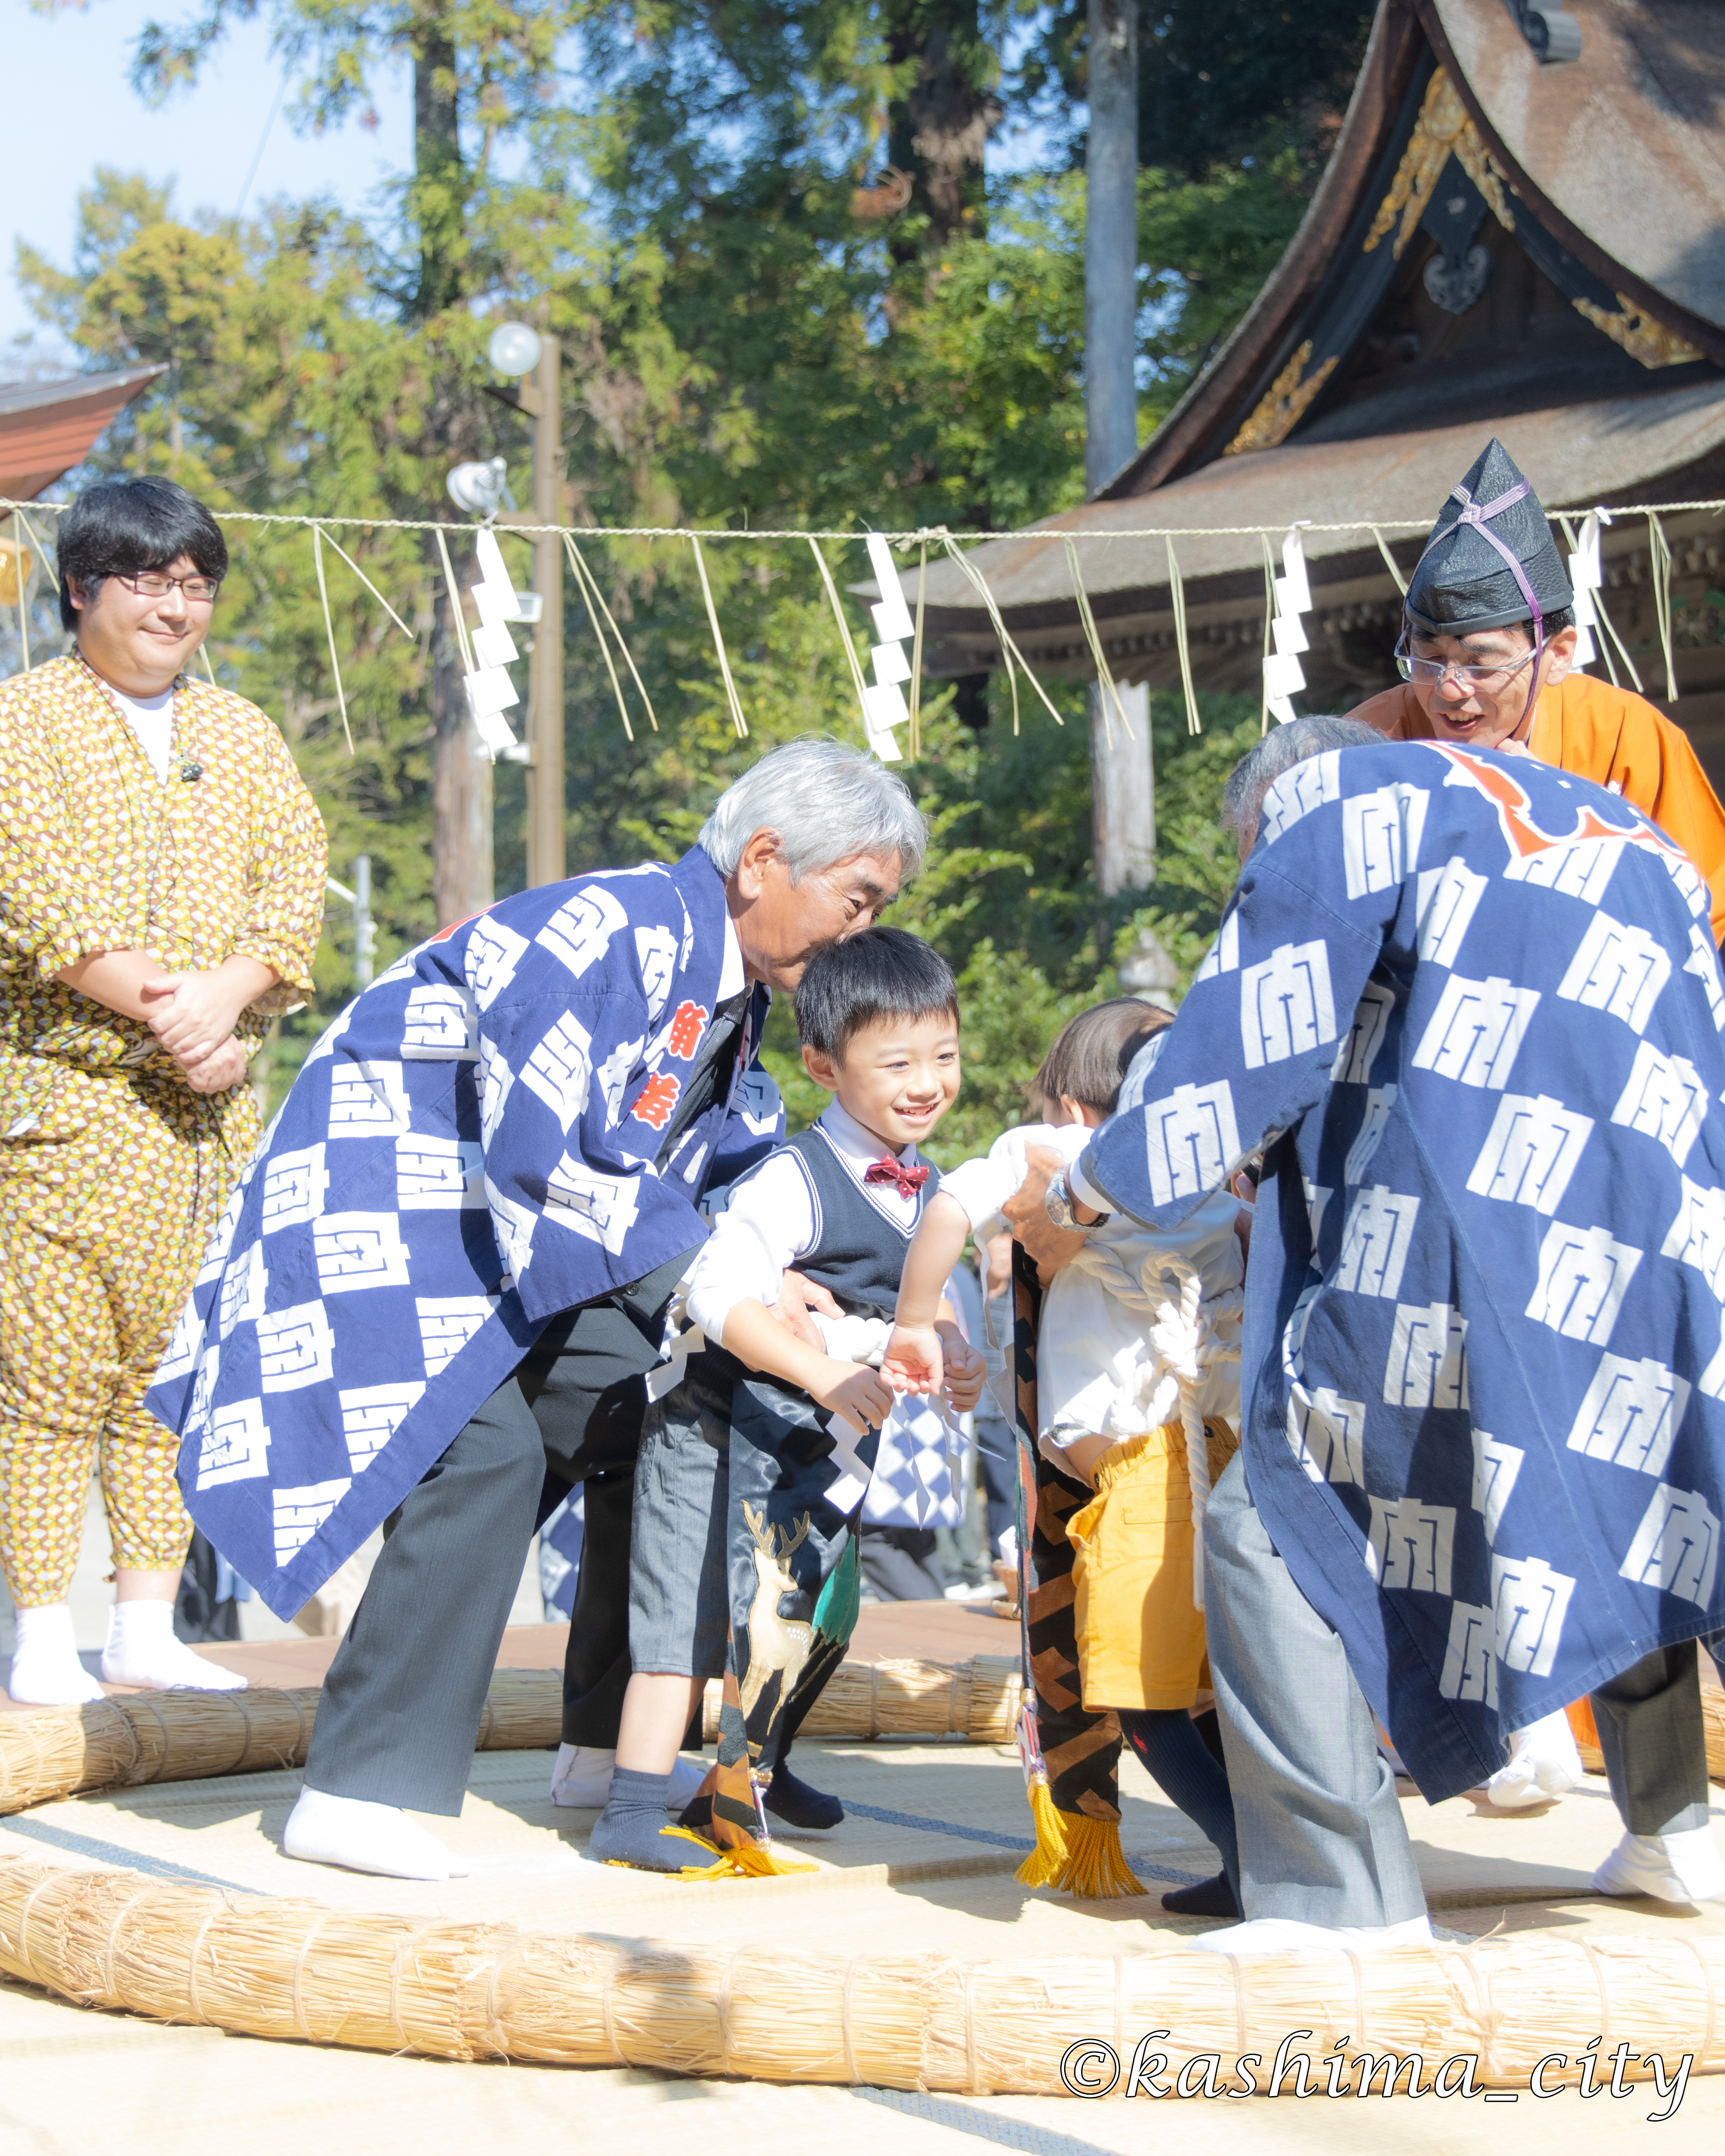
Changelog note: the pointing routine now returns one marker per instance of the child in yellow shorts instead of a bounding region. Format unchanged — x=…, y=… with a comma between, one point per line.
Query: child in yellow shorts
x=1137, y=1360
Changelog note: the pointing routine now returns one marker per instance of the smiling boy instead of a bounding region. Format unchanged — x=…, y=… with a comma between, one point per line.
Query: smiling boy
x=753, y=1471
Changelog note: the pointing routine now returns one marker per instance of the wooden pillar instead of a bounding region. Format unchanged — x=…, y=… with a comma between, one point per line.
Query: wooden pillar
x=545, y=770
x=1122, y=784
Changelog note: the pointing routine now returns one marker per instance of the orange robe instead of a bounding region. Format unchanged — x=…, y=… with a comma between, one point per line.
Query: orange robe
x=1617, y=739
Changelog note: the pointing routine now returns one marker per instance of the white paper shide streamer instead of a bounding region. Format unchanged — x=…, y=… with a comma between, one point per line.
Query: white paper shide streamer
x=490, y=691
x=884, y=706
x=1585, y=578
x=1283, y=673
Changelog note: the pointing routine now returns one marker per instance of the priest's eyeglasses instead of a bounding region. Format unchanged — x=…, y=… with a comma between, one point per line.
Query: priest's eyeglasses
x=1430, y=671
x=152, y=584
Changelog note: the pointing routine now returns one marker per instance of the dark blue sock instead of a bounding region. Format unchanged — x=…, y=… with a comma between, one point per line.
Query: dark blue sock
x=1182, y=1765
x=632, y=1827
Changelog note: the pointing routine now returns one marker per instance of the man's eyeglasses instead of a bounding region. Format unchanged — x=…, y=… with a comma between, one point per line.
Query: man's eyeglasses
x=151, y=584
x=1427, y=672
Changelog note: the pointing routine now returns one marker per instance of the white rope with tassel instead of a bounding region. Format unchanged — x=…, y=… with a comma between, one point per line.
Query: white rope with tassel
x=1189, y=1334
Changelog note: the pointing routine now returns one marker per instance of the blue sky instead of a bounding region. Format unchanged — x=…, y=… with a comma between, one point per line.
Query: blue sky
x=69, y=108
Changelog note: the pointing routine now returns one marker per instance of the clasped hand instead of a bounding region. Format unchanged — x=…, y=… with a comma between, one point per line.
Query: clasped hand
x=933, y=1358
x=194, y=1014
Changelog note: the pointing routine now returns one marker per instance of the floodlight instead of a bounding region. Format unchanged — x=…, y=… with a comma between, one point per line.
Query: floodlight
x=479, y=488
x=513, y=348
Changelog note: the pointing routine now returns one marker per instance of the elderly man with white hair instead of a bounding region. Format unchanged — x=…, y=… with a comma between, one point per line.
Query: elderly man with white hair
x=447, y=1269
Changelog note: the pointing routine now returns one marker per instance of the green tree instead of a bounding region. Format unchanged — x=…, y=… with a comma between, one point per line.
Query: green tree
x=749, y=342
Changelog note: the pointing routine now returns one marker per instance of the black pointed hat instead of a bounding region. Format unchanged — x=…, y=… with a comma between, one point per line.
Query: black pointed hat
x=1490, y=560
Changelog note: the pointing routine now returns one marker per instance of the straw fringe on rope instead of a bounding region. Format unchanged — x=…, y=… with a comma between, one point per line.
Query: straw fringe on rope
x=589, y=587
x=857, y=683
x=1389, y=561
x=323, y=593
x=931, y=533
x=1269, y=617
x=47, y=1753
x=1009, y=650
x=386, y=1983
x=1177, y=592
x=737, y=719
x=1660, y=555
x=1105, y=677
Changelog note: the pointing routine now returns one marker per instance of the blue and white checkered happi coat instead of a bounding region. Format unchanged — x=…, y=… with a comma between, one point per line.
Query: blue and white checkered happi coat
x=1471, y=1007
x=469, y=1150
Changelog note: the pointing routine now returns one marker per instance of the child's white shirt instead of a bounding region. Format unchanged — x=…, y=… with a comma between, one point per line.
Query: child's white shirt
x=770, y=1223
x=1099, y=1371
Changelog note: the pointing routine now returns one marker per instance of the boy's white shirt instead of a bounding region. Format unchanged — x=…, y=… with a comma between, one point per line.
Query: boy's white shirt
x=769, y=1224
x=1097, y=1373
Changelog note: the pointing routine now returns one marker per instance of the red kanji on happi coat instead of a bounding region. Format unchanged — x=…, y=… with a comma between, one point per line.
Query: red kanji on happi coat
x=688, y=1024
x=656, y=1100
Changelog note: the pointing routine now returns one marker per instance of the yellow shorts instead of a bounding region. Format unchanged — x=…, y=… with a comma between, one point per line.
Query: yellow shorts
x=1141, y=1643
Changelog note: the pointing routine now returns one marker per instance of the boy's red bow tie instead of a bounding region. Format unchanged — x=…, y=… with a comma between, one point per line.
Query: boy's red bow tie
x=886, y=1169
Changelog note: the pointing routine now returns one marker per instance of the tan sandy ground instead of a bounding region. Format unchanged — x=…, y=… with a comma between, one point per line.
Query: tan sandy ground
x=72, y=2081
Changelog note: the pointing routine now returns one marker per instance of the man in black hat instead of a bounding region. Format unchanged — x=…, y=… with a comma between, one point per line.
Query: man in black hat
x=1486, y=652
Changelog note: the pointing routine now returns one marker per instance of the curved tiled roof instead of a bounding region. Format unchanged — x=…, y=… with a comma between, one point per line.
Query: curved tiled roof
x=1627, y=145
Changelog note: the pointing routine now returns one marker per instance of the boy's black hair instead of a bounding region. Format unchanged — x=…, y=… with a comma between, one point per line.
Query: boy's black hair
x=883, y=973
x=121, y=527
x=1093, y=1052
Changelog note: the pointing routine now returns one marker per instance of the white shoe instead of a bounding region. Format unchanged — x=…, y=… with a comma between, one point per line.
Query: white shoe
x=45, y=1668
x=362, y=1836
x=1268, y=1935
x=1543, y=1762
x=1672, y=1867
x=580, y=1780
x=143, y=1649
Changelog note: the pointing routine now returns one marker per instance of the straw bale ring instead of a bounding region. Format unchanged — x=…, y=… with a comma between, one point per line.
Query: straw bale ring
x=53, y=1752
x=149, y=1736
x=298, y=1969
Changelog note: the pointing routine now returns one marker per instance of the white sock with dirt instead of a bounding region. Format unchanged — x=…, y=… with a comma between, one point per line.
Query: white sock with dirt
x=142, y=1649
x=362, y=1836
x=45, y=1668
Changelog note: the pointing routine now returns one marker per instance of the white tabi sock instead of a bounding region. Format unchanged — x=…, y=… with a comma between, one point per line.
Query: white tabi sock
x=580, y=1780
x=1543, y=1762
x=362, y=1836
x=45, y=1668
x=142, y=1650
x=1271, y=1935
x=1672, y=1867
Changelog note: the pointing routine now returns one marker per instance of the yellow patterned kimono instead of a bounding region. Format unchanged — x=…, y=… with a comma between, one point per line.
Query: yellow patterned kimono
x=112, y=1171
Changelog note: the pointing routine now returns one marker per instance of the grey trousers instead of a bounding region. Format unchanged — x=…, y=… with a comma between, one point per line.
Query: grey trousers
x=402, y=1702
x=1321, y=1834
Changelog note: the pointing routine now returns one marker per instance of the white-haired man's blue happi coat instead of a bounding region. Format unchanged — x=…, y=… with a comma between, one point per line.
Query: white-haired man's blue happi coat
x=1470, y=1006
x=468, y=1151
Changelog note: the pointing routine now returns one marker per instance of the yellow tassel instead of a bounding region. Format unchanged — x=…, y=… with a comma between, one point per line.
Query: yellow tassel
x=746, y=1860
x=1043, y=1866
x=1095, y=1869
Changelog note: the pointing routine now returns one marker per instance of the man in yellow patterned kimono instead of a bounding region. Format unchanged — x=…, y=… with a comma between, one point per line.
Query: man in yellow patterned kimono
x=161, y=875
